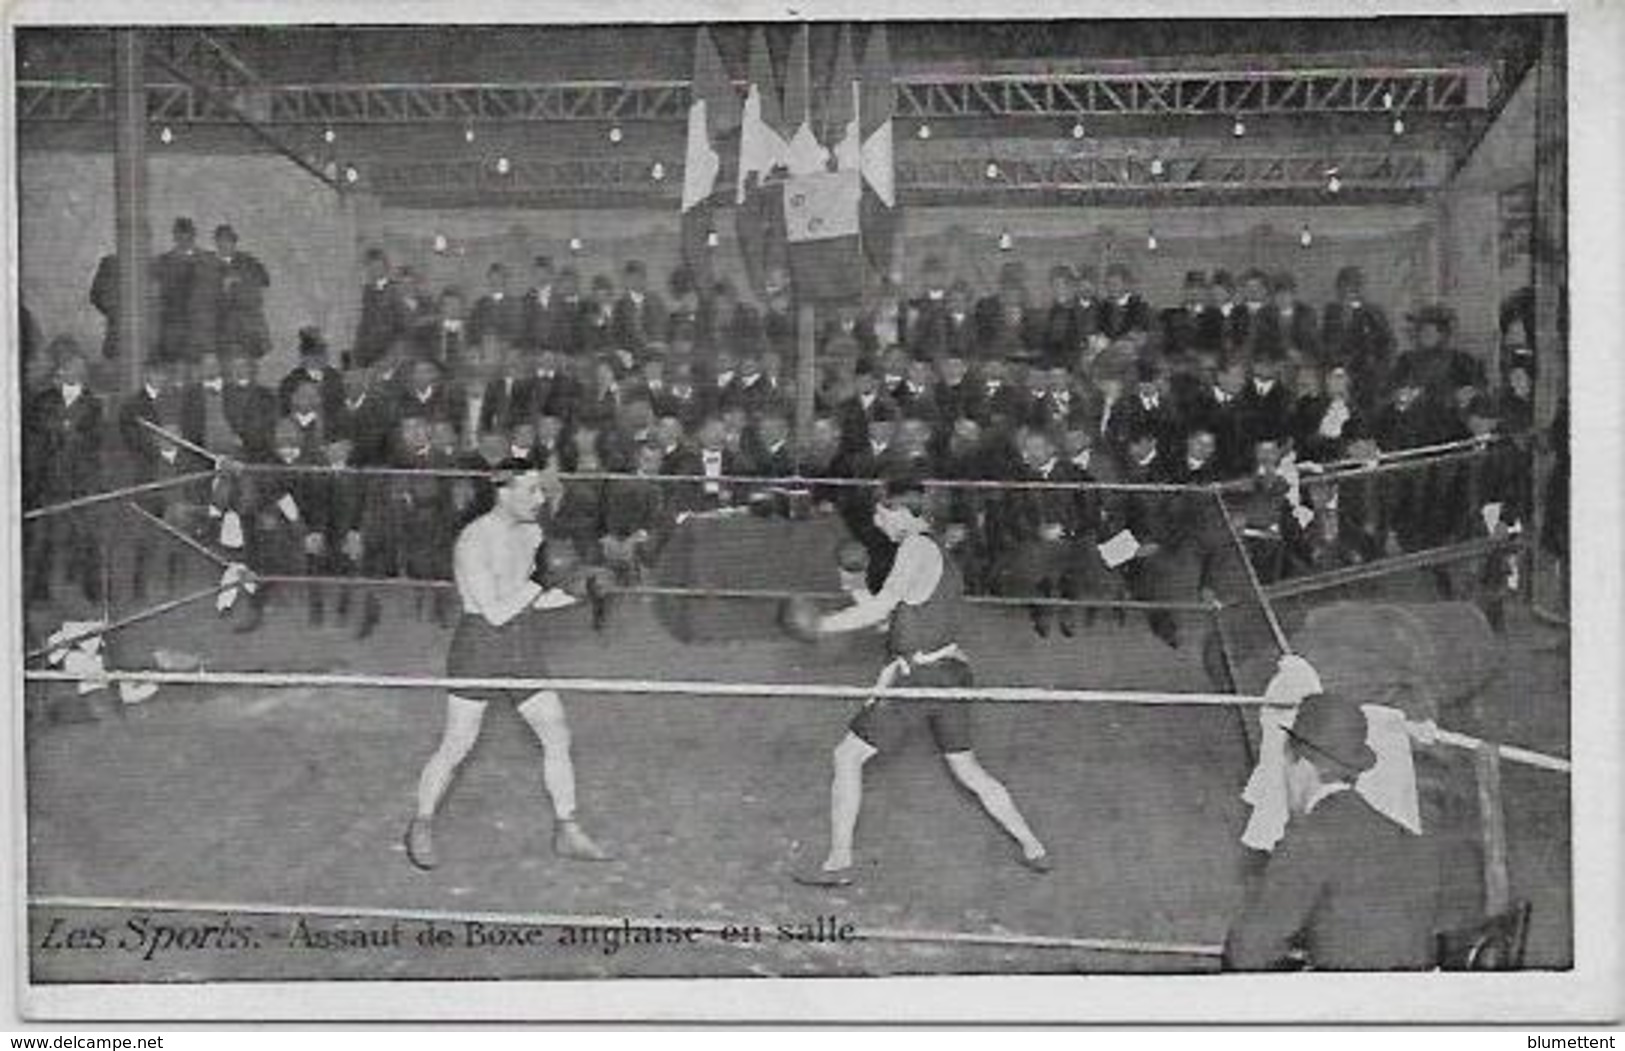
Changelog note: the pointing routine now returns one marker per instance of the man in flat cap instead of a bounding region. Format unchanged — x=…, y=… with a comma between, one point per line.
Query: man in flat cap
x=1347, y=888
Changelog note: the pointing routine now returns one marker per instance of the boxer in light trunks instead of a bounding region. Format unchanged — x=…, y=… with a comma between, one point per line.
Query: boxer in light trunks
x=506, y=578
x=923, y=598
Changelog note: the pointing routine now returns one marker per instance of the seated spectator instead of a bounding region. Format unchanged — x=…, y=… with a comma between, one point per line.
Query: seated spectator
x=772, y=455
x=1266, y=404
x=314, y=367
x=1006, y=325
x=426, y=395
x=250, y=407
x=345, y=521
x=366, y=419
x=285, y=521
x=1045, y=530
x=638, y=519
x=1330, y=886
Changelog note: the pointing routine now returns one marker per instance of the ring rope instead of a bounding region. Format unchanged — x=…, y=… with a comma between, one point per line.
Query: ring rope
x=124, y=622
x=689, y=688
x=761, y=594
x=1379, y=568
x=181, y=536
x=124, y=492
x=1401, y=460
x=546, y=919
x=185, y=443
x=1281, y=641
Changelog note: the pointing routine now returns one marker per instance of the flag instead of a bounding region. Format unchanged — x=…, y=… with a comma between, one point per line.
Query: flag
x=713, y=114
x=762, y=147
x=879, y=212
x=804, y=154
x=821, y=230
x=842, y=132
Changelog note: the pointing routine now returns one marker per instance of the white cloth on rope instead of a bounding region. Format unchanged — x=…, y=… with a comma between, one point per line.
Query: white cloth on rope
x=231, y=530
x=81, y=654
x=235, y=578
x=1389, y=786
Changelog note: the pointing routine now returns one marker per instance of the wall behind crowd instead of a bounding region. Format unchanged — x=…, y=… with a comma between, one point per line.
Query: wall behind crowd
x=310, y=240
x=299, y=229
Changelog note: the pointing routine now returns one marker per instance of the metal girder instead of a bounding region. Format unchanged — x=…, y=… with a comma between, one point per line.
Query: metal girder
x=1198, y=172
x=1194, y=171
x=219, y=80
x=228, y=86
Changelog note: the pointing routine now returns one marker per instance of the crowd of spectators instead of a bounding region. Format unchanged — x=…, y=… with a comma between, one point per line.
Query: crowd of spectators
x=1088, y=381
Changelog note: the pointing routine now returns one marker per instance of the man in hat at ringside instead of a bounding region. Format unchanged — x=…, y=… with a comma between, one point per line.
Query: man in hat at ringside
x=1347, y=888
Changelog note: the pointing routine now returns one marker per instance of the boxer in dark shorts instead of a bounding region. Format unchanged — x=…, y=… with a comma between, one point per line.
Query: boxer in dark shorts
x=922, y=598
x=504, y=586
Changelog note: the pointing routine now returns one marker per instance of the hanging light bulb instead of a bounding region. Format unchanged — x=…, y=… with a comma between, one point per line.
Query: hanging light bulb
x=331, y=169
x=166, y=136
x=712, y=239
x=468, y=134
x=657, y=172
x=575, y=244
x=441, y=245
x=615, y=133
x=1077, y=130
x=350, y=174
x=1239, y=128
x=1334, y=182
x=1305, y=238
x=1399, y=125
x=1387, y=100
x=923, y=131
x=1006, y=242
x=329, y=136
x=1157, y=167
x=1151, y=241
x=504, y=166
x=992, y=169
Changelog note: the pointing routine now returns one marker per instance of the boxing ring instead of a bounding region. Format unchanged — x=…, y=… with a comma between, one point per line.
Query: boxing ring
x=674, y=695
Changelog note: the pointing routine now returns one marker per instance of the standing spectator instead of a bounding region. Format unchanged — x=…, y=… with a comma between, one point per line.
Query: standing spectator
x=1006, y=327
x=926, y=315
x=188, y=285
x=448, y=341
x=64, y=450
x=383, y=317
x=1290, y=327
x=1124, y=314
x=1065, y=329
x=595, y=327
x=1357, y=335
x=540, y=307
x=156, y=402
x=427, y=396
x=566, y=315
x=639, y=316
x=1245, y=325
x=1184, y=328
x=498, y=311
x=104, y=297
x=241, y=327
x=421, y=310
x=683, y=321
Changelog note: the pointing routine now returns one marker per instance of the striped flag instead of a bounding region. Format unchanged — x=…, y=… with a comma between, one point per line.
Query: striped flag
x=763, y=148
x=820, y=204
x=713, y=115
x=879, y=211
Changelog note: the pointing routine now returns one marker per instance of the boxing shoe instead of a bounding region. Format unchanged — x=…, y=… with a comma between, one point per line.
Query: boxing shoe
x=569, y=841
x=420, y=844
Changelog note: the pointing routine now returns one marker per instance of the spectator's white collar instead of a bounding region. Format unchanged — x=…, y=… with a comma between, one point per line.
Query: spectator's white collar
x=304, y=419
x=71, y=392
x=214, y=386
